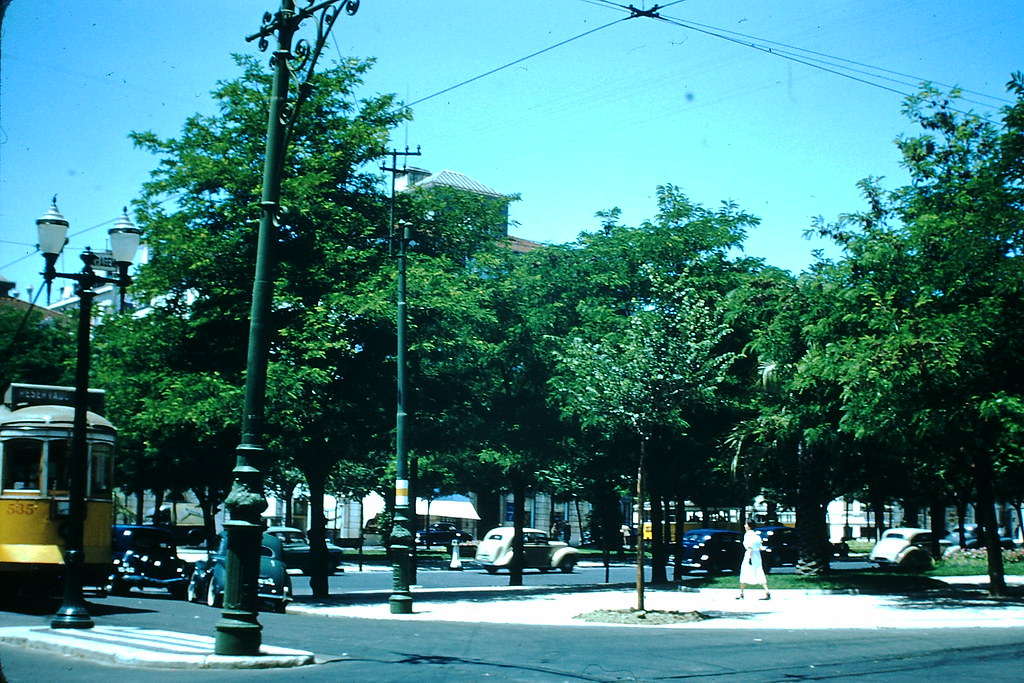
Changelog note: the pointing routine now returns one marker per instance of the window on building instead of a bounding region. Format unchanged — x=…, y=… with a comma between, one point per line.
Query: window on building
x=21, y=464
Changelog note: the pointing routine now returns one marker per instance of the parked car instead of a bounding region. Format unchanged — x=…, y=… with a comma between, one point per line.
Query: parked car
x=709, y=550
x=905, y=548
x=274, y=587
x=145, y=556
x=780, y=546
x=297, y=554
x=495, y=551
x=441, y=533
x=973, y=540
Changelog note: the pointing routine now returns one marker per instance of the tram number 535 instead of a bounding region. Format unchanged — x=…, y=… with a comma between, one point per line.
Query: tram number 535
x=22, y=508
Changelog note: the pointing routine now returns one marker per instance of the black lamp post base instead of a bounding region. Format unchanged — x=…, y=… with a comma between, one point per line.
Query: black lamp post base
x=236, y=637
x=75, y=616
x=401, y=604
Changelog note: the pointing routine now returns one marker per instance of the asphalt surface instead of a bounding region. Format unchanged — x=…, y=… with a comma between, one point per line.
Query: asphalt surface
x=964, y=604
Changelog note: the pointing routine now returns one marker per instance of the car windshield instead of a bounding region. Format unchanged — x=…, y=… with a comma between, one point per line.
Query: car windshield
x=293, y=537
x=142, y=539
x=694, y=536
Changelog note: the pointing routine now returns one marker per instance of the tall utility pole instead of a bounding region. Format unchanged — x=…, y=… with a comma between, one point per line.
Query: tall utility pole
x=239, y=630
x=401, y=534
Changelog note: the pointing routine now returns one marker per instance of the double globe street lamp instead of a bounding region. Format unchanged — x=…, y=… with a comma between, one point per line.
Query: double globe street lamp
x=124, y=242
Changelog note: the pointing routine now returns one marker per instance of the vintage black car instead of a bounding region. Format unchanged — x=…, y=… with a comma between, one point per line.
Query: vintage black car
x=779, y=546
x=145, y=557
x=709, y=550
x=297, y=553
x=441, y=533
x=274, y=587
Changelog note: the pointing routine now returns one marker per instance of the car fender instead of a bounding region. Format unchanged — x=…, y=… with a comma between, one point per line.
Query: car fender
x=561, y=553
x=503, y=560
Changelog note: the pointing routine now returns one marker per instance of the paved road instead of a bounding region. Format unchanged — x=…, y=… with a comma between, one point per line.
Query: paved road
x=353, y=649
x=364, y=650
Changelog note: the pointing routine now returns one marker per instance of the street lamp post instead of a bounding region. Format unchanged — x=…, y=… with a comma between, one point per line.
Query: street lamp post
x=238, y=632
x=401, y=600
x=124, y=241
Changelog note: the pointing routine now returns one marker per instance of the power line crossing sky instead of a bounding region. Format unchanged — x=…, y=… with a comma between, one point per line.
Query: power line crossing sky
x=780, y=105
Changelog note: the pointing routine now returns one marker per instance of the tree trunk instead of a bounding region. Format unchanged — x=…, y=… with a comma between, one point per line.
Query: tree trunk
x=989, y=525
x=937, y=511
x=640, y=525
x=515, y=568
x=677, y=567
x=878, y=508
x=288, y=499
x=207, y=504
x=658, y=556
x=158, y=502
x=812, y=535
x=961, y=516
x=317, y=535
x=140, y=510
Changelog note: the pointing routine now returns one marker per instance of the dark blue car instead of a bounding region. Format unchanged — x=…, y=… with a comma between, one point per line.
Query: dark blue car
x=146, y=557
x=274, y=587
x=709, y=550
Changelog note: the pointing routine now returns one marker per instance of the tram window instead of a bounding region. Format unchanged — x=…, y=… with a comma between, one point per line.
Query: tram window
x=101, y=470
x=22, y=458
x=57, y=475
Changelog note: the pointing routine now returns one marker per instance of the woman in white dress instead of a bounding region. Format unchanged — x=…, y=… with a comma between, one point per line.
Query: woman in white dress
x=752, y=571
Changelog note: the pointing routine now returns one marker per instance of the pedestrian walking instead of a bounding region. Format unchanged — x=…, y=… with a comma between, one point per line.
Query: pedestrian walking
x=752, y=570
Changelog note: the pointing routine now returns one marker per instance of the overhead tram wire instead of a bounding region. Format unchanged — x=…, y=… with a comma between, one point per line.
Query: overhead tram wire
x=816, y=60
x=830, y=68
x=868, y=69
x=514, y=62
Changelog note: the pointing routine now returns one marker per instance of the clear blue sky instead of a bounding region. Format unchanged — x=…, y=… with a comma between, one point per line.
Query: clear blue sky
x=596, y=123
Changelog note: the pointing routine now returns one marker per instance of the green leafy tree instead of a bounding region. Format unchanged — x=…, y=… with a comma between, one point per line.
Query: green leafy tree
x=200, y=211
x=933, y=282
x=38, y=346
x=644, y=380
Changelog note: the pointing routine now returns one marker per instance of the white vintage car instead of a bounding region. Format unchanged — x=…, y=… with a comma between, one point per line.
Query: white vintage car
x=906, y=548
x=495, y=551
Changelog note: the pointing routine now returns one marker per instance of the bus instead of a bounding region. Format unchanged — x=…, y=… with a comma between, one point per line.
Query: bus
x=36, y=427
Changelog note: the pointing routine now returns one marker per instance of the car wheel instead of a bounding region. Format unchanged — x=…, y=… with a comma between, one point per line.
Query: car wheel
x=915, y=559
x=280, y=606
x=179, y=592
x=491, y=570
x=213, y=598
x=566, y=566
x=192, y=592
x=116, y=586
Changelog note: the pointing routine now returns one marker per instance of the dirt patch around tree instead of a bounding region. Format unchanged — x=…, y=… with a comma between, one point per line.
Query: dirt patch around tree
x=640, y=617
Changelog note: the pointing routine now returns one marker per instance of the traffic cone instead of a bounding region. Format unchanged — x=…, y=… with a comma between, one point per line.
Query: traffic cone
x=456, y=563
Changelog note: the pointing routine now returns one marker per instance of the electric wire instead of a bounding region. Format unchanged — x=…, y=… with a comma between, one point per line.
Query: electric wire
x=862, y=67
x=814, y=64
x=810, y=58
x=514, y=62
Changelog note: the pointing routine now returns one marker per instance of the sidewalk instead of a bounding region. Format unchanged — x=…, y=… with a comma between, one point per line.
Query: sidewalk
x=964, y=603
x=145, y=648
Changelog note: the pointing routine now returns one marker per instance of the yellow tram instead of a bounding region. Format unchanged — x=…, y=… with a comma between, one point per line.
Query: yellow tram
x=36, y=425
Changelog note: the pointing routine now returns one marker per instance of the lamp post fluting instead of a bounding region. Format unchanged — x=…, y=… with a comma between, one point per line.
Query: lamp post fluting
x=238, y=632
x=124, y=239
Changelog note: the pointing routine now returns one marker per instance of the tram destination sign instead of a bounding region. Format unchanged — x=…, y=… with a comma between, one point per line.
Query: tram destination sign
x=24, y=395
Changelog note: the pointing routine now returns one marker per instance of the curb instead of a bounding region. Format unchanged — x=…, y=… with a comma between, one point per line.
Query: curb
x=147, y=648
